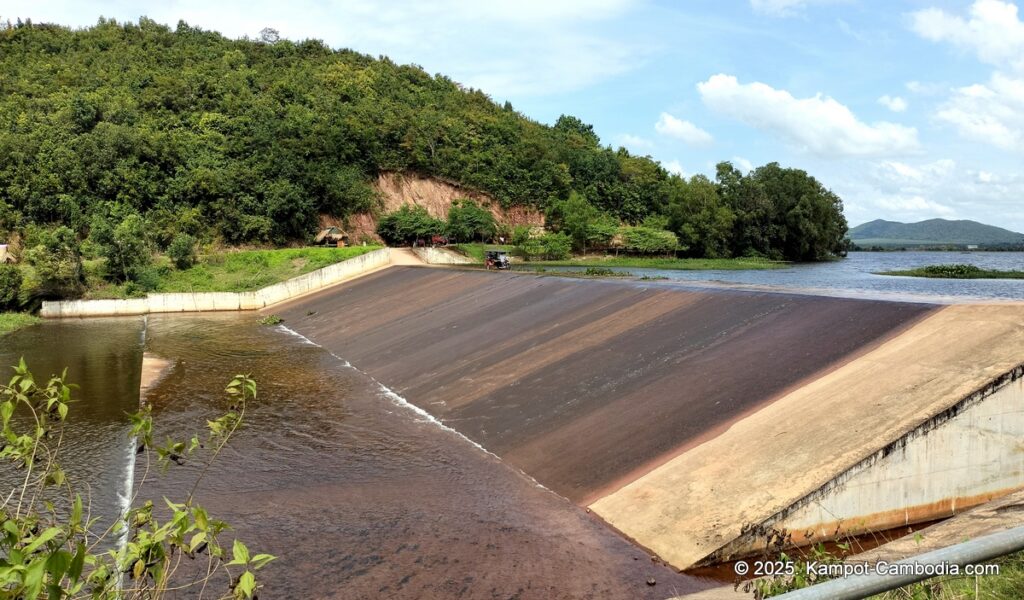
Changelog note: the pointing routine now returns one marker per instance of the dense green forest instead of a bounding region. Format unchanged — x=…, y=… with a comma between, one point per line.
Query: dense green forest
x=130, y=135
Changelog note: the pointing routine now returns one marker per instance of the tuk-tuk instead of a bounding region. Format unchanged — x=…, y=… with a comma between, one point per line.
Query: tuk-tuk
x=496, y=259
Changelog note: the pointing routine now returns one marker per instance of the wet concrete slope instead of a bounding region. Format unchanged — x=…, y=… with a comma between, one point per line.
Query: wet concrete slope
x=585, y=384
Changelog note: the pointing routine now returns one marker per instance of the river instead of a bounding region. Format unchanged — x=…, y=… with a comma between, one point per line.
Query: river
x=856, y=276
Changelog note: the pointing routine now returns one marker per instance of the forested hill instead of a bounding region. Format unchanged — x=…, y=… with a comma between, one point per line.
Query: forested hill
x=251, y=140
x=934, y=231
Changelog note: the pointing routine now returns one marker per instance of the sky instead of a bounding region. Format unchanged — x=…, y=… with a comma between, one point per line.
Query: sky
x=908, y=109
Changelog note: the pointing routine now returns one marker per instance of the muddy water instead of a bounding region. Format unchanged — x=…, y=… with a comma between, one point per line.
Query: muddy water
x=359, y=496
x=102, y=357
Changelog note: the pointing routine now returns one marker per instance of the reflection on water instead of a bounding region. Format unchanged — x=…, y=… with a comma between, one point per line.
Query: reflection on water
x=855, y=276
x=358, y=496
x=103, y=357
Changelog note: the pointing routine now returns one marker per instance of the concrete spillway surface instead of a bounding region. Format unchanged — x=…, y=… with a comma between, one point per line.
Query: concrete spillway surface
x=585, y=385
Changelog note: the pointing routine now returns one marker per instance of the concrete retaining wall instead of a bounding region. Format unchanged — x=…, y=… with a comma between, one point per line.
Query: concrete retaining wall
x=959, y=459
x=442, y=256
x=216, y=301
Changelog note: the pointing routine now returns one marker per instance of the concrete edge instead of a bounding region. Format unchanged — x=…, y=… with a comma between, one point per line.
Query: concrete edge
x=295, y=287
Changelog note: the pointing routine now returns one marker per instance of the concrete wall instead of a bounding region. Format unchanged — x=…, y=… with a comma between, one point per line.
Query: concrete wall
x=965, y=457
x=215, y=301
x=442, y=256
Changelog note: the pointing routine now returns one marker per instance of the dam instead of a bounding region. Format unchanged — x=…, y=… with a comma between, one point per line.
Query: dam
x=433, y=432
x=692, y=420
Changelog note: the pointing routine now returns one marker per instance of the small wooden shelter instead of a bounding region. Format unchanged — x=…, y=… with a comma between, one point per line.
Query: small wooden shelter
x=5, y=256
x=331, y=236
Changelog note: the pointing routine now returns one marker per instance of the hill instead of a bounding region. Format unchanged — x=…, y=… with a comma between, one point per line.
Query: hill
x=181, y=132
x=932, y=232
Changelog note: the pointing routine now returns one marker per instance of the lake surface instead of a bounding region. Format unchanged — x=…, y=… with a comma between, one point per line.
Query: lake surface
x=356, y=492
x=854, y=276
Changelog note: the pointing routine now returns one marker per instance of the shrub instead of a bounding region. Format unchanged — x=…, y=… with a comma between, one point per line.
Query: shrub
x=55, y=259
x=468, y=221
x=952, y=271
x=124, y=246
x=407, y=224
x=550, y=246
x=644, y=240
x=182, y=251
x=10, y=287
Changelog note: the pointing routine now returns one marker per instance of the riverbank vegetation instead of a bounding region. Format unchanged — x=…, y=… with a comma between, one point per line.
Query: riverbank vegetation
x=55, y=545
x=956, y=272
x=681, y=264
x=11, y=321
x=123, y=140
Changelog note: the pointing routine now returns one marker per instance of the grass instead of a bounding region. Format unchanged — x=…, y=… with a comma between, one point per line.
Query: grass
x=682, y=264
x=241, y=271
x=477, y=251
x=1009, y=583
x=14, y=321
x=956, y=272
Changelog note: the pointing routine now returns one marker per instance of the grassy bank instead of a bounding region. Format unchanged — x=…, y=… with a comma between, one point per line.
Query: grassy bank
x=477, y=251
x=1009, y=583
x=224, y=272
x=956, y=272
x=683, y=264
x=14, y=321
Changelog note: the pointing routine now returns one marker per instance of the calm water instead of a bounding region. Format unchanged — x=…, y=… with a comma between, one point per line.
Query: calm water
x=359, y=495
x=855, y=276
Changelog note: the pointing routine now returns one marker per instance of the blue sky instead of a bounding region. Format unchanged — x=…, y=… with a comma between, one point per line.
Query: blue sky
x=907, y=109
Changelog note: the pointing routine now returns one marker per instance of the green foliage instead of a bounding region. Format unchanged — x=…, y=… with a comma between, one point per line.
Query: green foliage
x=408, y=224
x=53, y=254
x=14, y=321
x=182, y=251
x=270, y=320
x=644, y=240
x=468, y=221
x=520, y=233
x=231, y=271
x=10, y=287
x=585, y=224
x=550, y=246
x=957, y=272
x=124, y=246
x=45, y=552
x=252, y=141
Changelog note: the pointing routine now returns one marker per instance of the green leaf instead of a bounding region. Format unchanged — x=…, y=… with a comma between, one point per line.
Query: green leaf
x=246, y=585
x=260, y=560
x=77, y=563
x=44, y=537
x=239, y=554
x=34, y=579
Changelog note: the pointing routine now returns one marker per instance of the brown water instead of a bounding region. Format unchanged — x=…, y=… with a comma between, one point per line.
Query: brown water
x=359, y=495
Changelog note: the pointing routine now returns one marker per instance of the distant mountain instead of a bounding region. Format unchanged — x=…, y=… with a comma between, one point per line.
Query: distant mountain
x=932, y=232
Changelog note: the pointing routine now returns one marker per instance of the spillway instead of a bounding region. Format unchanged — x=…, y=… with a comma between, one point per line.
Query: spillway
x=690, y=419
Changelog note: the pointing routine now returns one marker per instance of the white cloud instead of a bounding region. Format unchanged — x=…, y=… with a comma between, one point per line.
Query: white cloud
x=635, y=142
x=674, y=167
x=742, y=164
x=991, y=113
x=993, y=31
x=818, y=125
x=893, y=103
x=682, y=130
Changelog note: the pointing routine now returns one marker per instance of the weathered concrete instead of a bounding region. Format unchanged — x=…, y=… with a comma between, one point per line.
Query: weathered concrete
x=796, y=451
x=217, y=301
x=585, y=385
x=442, y=256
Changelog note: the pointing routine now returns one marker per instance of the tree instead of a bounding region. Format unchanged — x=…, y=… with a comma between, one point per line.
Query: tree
x=56, y=261
x=584, y=224
x=124, y=246
x=700, y=220
x=469, y=221
x=182, y=251
x=645, y=240
x=10, y=287
x=550, y=246
x=408, y=224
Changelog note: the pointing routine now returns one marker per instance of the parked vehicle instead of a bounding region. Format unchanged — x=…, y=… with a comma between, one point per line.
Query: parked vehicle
x=495, y=259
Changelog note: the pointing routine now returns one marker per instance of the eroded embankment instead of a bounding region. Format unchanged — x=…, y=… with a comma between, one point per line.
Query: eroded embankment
x=585, y=385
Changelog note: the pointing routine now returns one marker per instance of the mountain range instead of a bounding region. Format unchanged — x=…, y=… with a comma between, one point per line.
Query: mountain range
x=933, y=232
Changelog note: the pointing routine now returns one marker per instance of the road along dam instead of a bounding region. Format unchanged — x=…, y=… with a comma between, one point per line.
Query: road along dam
x=693, y=420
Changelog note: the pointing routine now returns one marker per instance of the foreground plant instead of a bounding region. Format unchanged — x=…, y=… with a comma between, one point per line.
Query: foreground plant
x=49, y=545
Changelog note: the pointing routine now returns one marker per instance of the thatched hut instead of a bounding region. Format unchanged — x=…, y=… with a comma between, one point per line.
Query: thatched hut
x=5, y=255
x=331, y=236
